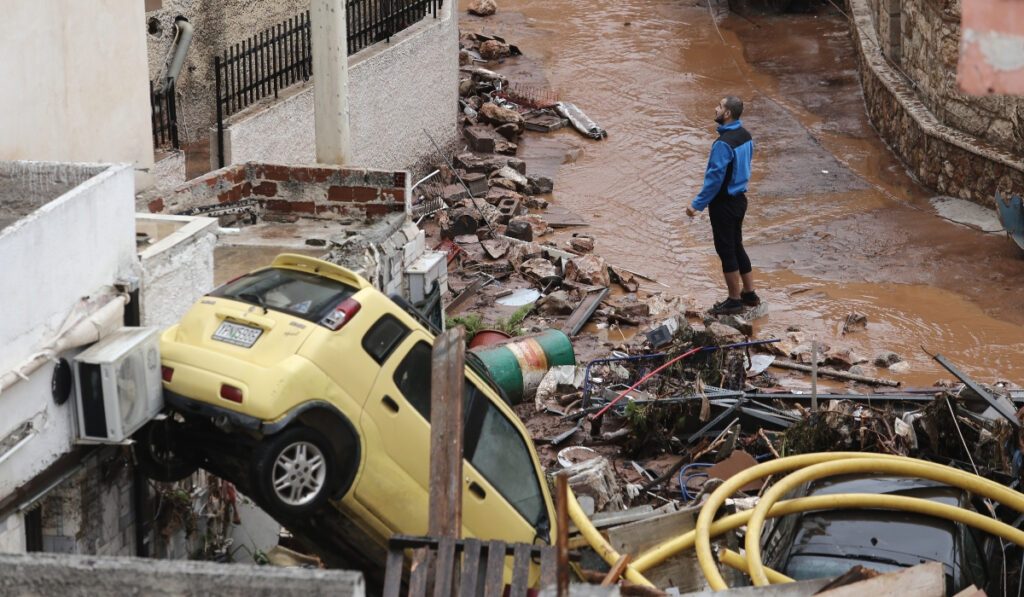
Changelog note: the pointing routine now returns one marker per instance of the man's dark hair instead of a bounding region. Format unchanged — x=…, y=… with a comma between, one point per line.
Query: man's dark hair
x=734, y=105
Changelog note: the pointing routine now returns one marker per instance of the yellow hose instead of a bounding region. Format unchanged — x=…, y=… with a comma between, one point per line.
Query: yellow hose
x=602, y=547
x=706, y=526
x=735, y=560
x=908, y=467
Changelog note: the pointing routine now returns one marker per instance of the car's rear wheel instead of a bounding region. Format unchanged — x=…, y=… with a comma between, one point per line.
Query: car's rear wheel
x=163, y=454
x=293, y=471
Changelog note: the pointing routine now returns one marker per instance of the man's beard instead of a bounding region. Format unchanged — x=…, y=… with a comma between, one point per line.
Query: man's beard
x=720, y=118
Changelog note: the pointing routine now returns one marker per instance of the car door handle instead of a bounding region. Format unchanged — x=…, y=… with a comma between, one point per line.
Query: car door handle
x=390, y=404
x=477, y=490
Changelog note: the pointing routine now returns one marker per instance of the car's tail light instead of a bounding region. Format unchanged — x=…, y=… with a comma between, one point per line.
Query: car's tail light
x=341, y=314
x=166, y=372
x=231, y=393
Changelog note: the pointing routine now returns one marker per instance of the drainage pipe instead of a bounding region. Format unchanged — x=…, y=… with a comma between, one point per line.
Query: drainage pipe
x=184, y=39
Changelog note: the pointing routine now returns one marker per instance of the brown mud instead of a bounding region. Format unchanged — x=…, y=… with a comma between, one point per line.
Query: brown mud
x=835, y=223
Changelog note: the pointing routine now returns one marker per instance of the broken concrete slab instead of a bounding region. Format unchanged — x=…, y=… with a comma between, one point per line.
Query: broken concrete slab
x=482, y=138
x=509, y=173
x=595, y=478
x=544, y=123
x=497, y=115
x=588, y=269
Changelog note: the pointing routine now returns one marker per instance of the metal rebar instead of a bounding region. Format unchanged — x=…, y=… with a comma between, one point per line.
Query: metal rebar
x=464, y=185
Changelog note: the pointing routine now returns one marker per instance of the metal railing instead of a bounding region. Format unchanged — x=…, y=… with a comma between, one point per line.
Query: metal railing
x=164, y=116
x=281, y=55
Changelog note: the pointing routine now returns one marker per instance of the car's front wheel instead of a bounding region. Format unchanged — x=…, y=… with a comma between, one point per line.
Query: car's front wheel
x=293, y=471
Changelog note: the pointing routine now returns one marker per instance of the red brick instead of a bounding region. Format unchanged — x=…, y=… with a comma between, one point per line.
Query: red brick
x=380, y=209
x=246, y=189
x=397, y=194
x=307, y=207
x=365, y=194
x=278, y=205
x=311, y=174
x=265, y=189
x=399, y=179
x=156, y=206
x=235, y=194
x=336, y=193
x=278, y=173
x=236, y=174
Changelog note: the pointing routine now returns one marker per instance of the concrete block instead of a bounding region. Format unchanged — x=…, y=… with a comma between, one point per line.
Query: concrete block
x=424, y=271
x=481, y=138
x=414, y=248
x=477, y=183
x=79, y=576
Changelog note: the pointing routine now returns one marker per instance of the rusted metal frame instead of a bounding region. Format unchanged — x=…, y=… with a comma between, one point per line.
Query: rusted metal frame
x=617, y=569
x=446, y=406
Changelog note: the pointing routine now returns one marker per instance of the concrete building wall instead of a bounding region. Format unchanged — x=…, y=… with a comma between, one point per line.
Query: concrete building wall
x=177, y=269
x=218, y=24
x=923, y=38
x=960, y=146
x=74, y=84
x=73, y=237
x=396, y=90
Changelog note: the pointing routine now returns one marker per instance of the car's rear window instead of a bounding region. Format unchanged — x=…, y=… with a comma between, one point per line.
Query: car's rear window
x=301, y=294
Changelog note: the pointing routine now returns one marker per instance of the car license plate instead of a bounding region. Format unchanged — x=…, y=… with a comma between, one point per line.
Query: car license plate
x=237, y=334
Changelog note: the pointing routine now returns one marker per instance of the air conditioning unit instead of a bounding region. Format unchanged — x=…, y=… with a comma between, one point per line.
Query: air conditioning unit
x=117, y=385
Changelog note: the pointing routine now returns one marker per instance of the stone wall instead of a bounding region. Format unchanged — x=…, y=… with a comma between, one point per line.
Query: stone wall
x=929, y=53
x=952, y=161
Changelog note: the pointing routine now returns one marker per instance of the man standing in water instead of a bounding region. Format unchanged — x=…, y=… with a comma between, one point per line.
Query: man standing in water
x=725, y=185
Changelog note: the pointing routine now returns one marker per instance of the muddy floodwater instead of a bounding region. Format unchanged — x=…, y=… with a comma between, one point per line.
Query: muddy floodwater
x=834, y=223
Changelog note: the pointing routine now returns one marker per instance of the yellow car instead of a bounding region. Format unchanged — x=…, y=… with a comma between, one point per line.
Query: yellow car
x=304, y=384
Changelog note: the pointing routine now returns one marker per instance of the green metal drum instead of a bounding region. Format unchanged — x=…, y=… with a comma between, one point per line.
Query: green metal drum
x=518, y=364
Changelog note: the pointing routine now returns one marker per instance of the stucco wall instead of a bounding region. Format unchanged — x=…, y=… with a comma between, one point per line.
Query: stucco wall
x=218, y=24
x=396, y=90
x=74, y=85
x=924, y=37
x=177, y=269
x=951, y=160
x=64, y=254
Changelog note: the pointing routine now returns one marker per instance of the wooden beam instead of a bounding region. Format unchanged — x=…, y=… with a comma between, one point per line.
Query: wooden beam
x=620, y=566
x=446, y=398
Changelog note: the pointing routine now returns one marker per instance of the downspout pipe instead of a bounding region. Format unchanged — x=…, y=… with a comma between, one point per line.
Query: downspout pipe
x=184, y=39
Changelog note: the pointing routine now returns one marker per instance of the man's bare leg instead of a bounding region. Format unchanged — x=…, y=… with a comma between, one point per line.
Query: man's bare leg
x=733, y=283
x=748, y=282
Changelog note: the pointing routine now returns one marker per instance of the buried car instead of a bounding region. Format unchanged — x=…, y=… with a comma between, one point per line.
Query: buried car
x=311, y=389
x=824, y=544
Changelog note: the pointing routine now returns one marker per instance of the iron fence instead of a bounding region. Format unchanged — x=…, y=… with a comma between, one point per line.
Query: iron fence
x=164, y=116
x=281, y=55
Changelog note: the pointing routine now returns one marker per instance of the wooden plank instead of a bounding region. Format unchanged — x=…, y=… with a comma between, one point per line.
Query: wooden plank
x=924, y=580
x=562, y=529
x=447, y=377
x=520, y=570
x=444, y=568
x=393, y=573
x=620, y=566
x=419, y=573
x=494, y=581
x=680, y=570
x=549, y=567
x=471, y=576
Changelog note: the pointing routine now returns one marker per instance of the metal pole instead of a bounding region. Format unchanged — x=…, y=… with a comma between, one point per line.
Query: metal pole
x=562, y=538
x=220, y=115
x=814, y=374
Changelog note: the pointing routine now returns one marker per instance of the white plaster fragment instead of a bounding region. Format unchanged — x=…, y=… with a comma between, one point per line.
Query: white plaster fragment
x=1002, y=52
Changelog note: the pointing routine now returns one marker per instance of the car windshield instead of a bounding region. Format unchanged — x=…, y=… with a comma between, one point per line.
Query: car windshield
x=302, y=294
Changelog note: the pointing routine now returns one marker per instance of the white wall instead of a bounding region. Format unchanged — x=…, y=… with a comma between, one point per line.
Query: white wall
x=177, y=269
x=65, y=252
x=74, y=83
x=396, y=90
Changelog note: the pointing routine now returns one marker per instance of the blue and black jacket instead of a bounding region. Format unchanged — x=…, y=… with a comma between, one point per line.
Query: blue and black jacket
x=730, y=160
